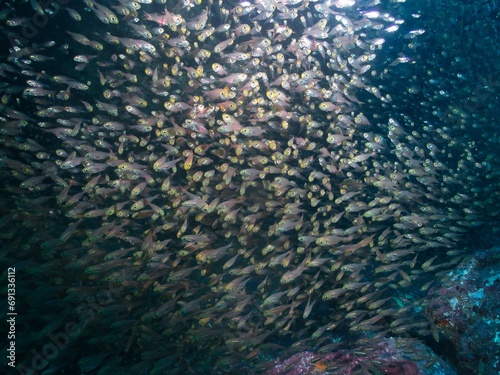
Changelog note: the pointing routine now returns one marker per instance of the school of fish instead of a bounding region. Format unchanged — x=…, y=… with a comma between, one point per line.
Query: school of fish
x=242, y=174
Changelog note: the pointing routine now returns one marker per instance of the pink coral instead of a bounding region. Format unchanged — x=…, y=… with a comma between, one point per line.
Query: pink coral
x=400, y=368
